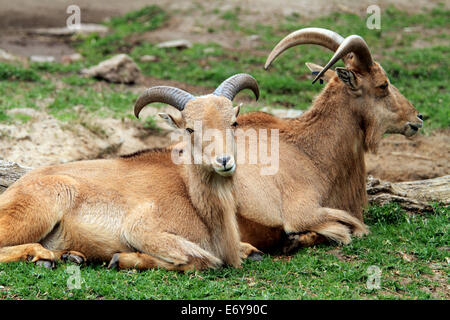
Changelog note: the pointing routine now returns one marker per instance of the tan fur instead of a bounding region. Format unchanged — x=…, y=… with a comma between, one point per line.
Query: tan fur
x=321, y=162
x=141, y=210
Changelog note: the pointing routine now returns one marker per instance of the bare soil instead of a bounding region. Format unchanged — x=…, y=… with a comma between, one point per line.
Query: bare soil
x=44, y=140
x=403, y=159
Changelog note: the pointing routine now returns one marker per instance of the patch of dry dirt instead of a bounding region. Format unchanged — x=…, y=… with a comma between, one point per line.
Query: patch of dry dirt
x=402, y=159
x=342, y=257
x=45, y=141
x=23, y=45
x=442, y=289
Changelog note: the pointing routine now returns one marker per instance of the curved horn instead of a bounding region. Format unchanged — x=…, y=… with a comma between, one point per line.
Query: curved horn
x=354, y=44
x=322, y=37
x=234, y=84
x=170, y=95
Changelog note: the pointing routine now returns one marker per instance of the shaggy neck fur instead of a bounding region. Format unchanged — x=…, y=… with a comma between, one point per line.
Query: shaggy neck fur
x=335, y=134
x=213, y=197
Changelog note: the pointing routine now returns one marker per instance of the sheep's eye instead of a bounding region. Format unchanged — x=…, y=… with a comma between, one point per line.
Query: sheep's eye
x=235, y=124
x=384, y=85
x=189, y=130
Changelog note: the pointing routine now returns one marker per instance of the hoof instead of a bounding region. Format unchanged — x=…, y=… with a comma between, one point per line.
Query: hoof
x=72, y=257
x=292, y=236
x=255, y=256
x=46, y=264
x=114, y=263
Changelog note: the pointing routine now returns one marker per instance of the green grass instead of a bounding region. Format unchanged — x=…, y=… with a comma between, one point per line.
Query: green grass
x=406, y=250
x=150, y=124
x=107, y=102
x=3, y=116
x=96, y=48
x=23, y=94
x=13, y=72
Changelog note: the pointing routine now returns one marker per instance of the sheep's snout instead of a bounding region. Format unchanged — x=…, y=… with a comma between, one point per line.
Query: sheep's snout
x=412, y=128
x=224, y=165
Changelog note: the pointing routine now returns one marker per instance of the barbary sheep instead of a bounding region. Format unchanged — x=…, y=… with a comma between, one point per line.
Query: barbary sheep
x=319, y=190
x=142, y=210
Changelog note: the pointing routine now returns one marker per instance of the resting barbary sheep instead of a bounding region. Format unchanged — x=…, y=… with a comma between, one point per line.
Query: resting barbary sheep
x=141, y=210
x=319, y=190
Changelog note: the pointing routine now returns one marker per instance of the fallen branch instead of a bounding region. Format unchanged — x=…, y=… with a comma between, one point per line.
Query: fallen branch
x=9, y=173
x=414, y=196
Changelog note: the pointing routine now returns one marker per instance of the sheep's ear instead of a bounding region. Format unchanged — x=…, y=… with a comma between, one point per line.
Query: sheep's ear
x=236, y=111
x=171, y=120
x=315, y=69
x=348, y=77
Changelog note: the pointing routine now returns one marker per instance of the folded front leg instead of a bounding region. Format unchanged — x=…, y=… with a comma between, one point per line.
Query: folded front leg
x=165, y=250
x=302, y=213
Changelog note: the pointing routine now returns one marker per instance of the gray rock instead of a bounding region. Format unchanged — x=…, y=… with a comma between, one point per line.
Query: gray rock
x=92, y=28
x=119, y=69
x=42, y=59
x=71, y=58
x=26, y=111
x=6, y=56
x=179, y=44
x=208, y=50
x=84, y=28
x=148, y=58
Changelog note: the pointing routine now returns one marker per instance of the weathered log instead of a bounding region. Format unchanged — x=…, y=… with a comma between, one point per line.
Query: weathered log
x=9, y=173
x=414, y=196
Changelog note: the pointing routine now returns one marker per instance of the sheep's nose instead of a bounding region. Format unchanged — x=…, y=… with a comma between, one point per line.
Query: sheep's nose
x=223, y=159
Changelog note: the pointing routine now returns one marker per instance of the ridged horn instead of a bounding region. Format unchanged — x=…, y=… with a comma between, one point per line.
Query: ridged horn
x=170, y=95
x=322, y=37
x=234, y=84
x=355, y=44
